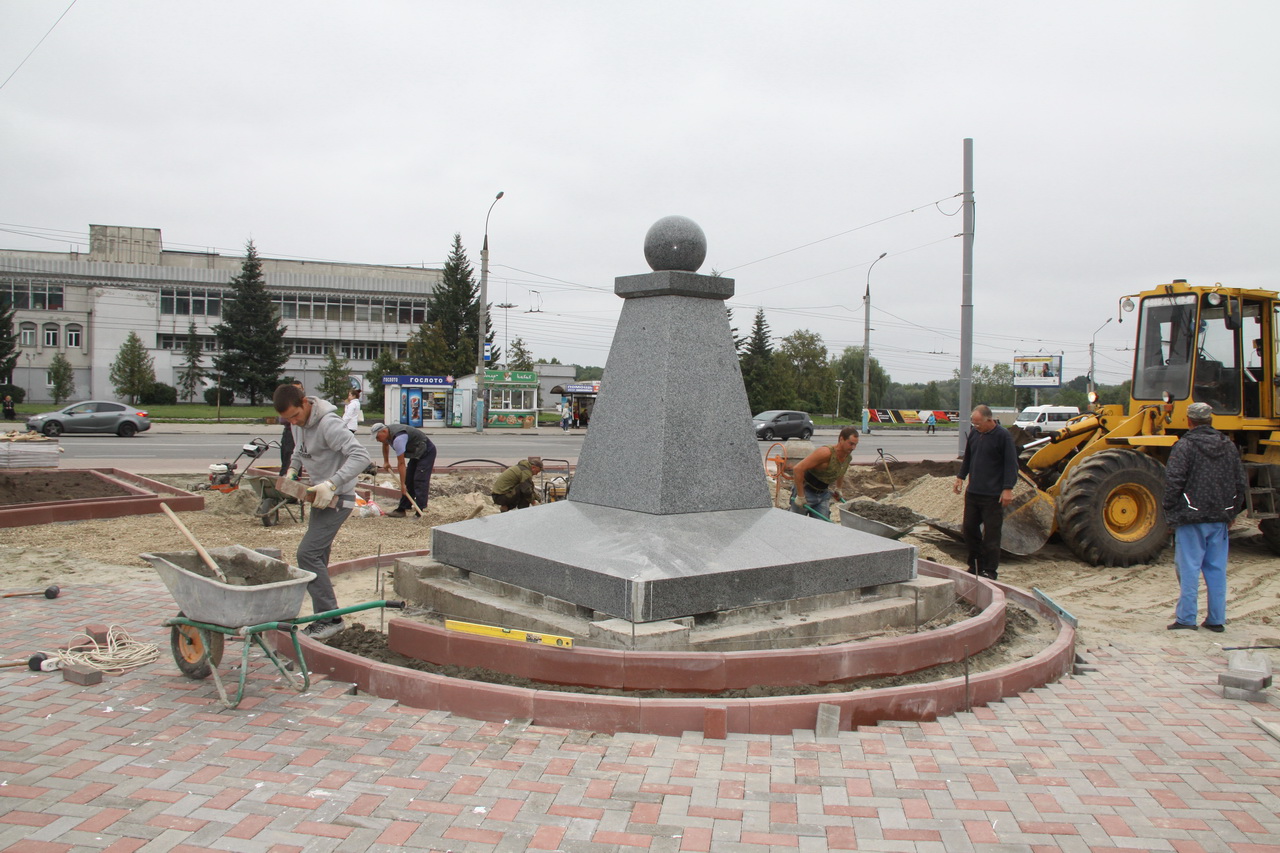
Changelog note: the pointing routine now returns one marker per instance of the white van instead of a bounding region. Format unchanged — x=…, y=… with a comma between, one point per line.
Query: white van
x=1046, y=419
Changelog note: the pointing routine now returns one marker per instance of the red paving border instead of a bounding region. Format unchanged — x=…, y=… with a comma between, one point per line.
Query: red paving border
x=146, y=497
x=669, y=716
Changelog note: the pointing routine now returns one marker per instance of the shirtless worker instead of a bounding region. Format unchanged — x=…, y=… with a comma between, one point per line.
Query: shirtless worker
x=817, y=477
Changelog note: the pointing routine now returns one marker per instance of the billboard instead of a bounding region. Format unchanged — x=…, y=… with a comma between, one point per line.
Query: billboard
x=1037, y=371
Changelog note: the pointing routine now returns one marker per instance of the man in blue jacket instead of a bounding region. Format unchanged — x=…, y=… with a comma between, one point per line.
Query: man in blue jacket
x=1204, y=490
x=991, y=466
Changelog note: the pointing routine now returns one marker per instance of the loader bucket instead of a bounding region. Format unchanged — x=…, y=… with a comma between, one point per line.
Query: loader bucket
x=1028, y=520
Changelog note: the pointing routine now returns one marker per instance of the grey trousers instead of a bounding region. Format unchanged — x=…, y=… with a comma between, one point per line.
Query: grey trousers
x=313, y=555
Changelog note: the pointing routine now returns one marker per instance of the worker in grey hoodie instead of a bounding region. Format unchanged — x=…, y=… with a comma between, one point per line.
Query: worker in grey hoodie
x=333, y=457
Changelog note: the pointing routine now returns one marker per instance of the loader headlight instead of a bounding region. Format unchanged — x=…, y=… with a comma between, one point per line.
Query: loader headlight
x=1127, y=305
x=1214, y=299
x=1167, y=396
x=1093, y=398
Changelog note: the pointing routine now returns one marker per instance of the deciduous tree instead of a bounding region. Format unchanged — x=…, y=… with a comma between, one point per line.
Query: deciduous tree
x=62, y=379
x=335, y=378
x=520, y=358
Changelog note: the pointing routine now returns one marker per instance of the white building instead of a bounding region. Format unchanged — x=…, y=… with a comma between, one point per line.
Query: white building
x=84, y=306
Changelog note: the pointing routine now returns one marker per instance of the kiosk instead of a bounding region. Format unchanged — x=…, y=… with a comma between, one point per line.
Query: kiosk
x=418, y=401
x=580, y=397
x=513, y=399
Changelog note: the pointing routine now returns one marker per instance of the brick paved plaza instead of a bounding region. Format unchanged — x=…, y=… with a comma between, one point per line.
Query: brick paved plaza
x=1143, y=754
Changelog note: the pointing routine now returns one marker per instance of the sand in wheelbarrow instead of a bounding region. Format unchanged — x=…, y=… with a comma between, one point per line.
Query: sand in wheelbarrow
x=243, y=570
x=895, y=516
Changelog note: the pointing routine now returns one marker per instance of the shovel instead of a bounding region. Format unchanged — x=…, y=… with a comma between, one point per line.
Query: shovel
x=204, y=555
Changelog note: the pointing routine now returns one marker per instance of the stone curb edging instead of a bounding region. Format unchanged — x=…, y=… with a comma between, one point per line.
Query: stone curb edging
x=770, y=715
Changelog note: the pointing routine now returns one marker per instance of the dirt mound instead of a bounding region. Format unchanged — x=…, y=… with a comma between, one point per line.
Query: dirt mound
x=38, y=486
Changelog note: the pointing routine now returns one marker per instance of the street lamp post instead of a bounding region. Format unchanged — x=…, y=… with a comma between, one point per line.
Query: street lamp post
x=482, y=321
x=839, y=385
x=1092, y=384
x=30, y=394
x=866, y=348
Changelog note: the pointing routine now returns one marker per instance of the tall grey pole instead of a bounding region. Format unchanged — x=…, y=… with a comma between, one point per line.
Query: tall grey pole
x=966, y=301
x=866, y=348
x=483, y=319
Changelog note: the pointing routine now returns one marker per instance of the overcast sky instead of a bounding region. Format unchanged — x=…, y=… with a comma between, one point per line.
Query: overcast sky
x=1118, y=145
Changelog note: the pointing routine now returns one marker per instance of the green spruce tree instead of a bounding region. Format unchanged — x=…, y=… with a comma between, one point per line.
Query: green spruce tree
x=455, y=307
x=250, y=337
x=133, y=371
x=62, y=378
x=191, y=374
x=760, y=372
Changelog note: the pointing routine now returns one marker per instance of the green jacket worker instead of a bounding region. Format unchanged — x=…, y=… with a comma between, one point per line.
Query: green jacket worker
x=514, y=487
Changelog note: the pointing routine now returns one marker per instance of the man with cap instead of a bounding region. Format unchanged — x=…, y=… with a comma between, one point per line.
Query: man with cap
x=412, y=444
x=1204, y=490
x=514, y=487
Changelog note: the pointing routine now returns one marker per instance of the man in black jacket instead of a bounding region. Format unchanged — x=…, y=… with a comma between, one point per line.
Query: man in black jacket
x=991, y=465
x=1204, y=490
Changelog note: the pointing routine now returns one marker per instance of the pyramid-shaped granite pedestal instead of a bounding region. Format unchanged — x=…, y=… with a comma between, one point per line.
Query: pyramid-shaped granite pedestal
x=669, y=513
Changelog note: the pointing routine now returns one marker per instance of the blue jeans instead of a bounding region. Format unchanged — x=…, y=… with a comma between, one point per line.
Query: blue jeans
x=819, y=501
x=1201, y=549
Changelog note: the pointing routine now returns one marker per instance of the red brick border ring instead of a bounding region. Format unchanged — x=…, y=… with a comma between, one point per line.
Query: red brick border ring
x=708, y=671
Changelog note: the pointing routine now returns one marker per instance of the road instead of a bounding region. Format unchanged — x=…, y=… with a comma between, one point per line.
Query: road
x=187, y=449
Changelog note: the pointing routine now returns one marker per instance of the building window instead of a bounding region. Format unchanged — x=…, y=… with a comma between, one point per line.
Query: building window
x=73, y=337
x=32, y=295
x=51, y=336
x=28, y=335
x=187, y=302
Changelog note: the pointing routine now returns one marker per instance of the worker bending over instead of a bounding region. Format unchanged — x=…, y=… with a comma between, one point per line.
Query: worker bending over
x=412, y=444
x=514, y=487
x=817, y=477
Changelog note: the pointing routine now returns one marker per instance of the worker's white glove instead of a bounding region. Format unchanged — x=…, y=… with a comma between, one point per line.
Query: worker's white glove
x=292, y=474
x=324, y=493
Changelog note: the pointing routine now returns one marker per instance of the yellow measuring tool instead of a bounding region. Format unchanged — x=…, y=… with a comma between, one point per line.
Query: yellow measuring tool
x=509, y=634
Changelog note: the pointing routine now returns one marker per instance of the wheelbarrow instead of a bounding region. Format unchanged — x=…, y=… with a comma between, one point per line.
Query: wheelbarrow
x=271, y=500
x=210, y=611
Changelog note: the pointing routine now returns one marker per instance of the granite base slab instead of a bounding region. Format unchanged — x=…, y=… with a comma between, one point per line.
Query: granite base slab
x=642, y=567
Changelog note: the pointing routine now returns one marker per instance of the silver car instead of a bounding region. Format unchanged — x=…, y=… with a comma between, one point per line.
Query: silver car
x=92, y=416
x=782, y=423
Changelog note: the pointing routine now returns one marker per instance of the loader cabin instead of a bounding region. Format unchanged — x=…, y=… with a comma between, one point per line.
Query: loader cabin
x=1209, y=345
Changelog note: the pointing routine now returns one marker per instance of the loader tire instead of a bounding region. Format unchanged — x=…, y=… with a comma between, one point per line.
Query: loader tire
x=1270, y=529
x=1109, y=511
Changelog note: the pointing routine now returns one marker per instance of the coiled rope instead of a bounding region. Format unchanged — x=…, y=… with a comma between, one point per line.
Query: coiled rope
x=120, y=653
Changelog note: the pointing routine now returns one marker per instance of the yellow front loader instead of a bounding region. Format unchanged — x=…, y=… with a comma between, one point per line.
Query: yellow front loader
x=1104, y=472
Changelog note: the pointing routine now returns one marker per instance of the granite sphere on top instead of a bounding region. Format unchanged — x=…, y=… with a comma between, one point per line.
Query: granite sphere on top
x=675, y=243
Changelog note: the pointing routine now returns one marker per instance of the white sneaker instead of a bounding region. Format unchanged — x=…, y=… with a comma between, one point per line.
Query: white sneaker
x=324, y=629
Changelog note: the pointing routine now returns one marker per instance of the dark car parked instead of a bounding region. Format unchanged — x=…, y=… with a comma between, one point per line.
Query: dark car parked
x=782, y=424
x=92, y=416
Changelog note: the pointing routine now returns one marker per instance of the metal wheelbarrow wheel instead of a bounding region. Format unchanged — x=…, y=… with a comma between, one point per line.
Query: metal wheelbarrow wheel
x=191, y=654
